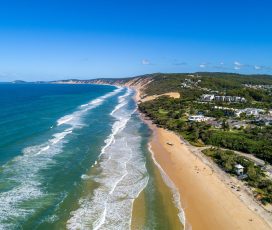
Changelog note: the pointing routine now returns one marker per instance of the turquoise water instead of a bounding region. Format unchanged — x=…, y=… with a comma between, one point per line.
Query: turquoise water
x=72, y=157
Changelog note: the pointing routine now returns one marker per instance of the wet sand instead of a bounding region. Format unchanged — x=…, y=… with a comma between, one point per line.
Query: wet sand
x=138, y=213
x=208, y=203
x=168, y=208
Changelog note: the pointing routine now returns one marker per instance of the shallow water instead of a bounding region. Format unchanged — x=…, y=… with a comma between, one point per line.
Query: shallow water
x=74, y=157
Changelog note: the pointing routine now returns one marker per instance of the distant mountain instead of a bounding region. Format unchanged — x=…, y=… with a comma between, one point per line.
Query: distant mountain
x=28, y=82
x=130, y=81
x=159, y=83
x=19, y=82
x=206, y=82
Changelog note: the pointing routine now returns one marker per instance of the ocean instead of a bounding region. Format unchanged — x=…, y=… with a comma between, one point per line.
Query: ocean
x=76, y=157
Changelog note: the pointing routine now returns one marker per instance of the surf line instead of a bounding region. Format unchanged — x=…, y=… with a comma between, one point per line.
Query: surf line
x=117, y=126
x=70, y=118
x=172, y=186
x=28, y=186
x=100, y=221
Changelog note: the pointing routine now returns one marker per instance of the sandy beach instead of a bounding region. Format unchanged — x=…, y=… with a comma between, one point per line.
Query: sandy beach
x=206, y=197
x=171, y=94
x=208, y=203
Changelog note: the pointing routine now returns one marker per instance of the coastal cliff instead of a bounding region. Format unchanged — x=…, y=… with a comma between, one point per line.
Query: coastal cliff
x=180, y=160
x=131, y=82
x=138, y=83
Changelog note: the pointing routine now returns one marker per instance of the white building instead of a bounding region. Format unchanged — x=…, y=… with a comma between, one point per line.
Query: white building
x=230, y=99
x=207, y=97
x=239, y=169
x=250, y=112
x=198, y=118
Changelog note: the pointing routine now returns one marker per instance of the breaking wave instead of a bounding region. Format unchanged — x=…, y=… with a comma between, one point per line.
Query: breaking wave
x=171, y=185
x=75, y=118
x=23, y=194
x=122, y=176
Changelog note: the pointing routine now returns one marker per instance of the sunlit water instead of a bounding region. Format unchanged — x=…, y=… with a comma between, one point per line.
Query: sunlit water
x=73, y=157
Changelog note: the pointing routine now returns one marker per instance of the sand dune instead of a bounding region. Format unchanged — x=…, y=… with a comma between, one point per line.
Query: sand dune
x=171, y=94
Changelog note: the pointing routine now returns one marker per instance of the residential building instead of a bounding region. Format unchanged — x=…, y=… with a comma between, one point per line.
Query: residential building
x=207, y=97
x=198, y=118
x=211, y=97
x=249, y=112
x=230, y=99
x=239, y=169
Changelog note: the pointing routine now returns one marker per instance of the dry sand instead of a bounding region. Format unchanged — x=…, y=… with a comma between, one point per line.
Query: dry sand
x=171, y=94
x=207, y=201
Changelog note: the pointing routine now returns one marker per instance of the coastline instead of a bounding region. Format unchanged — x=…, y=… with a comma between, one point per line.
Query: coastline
x=206, y=198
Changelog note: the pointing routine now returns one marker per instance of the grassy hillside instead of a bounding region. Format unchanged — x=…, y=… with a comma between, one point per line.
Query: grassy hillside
x=163, y=83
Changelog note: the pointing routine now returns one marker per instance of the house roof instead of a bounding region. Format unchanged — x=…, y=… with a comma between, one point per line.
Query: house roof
x=238, y=166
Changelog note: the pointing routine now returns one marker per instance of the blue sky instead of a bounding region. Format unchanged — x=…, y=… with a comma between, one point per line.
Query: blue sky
x=46, y=40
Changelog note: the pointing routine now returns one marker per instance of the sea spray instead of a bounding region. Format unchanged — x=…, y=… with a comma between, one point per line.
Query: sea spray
x=123, y=176
x=57, y=175
x=24, y=194
x=74, y=118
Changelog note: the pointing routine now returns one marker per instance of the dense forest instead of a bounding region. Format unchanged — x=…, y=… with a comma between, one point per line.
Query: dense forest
x=163, y=83
x=171, y=114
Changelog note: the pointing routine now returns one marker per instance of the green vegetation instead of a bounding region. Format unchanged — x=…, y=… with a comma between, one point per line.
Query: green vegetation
x=256, y=177
x=218, y=83
x=172, y=114
x=229, y=82
x=224, y=124
x=256, y=141
x=223, y=128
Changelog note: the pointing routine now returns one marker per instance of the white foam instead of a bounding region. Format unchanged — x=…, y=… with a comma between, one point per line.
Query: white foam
x=23, y=170
x=123, y=97
x=73, y=119
x=51, y=144
x=84, y=105
x=171, y=185
x=64, y=120
x=60, y=136
x=118, y=107
x=123, y=176
x=85, y=177
x=121, y=100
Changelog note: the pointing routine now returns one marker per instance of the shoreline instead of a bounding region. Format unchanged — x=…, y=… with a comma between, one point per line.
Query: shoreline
x=207, y=200
x=205, y=194
x=172, y=188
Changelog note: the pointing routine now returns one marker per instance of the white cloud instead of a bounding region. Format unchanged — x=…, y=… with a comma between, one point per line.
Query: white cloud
x=145, y=62
x=257, y=67
x=221, y=63
x=237, y=63
x=202, y=65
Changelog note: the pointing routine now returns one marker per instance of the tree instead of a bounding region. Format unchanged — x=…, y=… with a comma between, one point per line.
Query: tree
x=225, y=125
x=251, y=172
